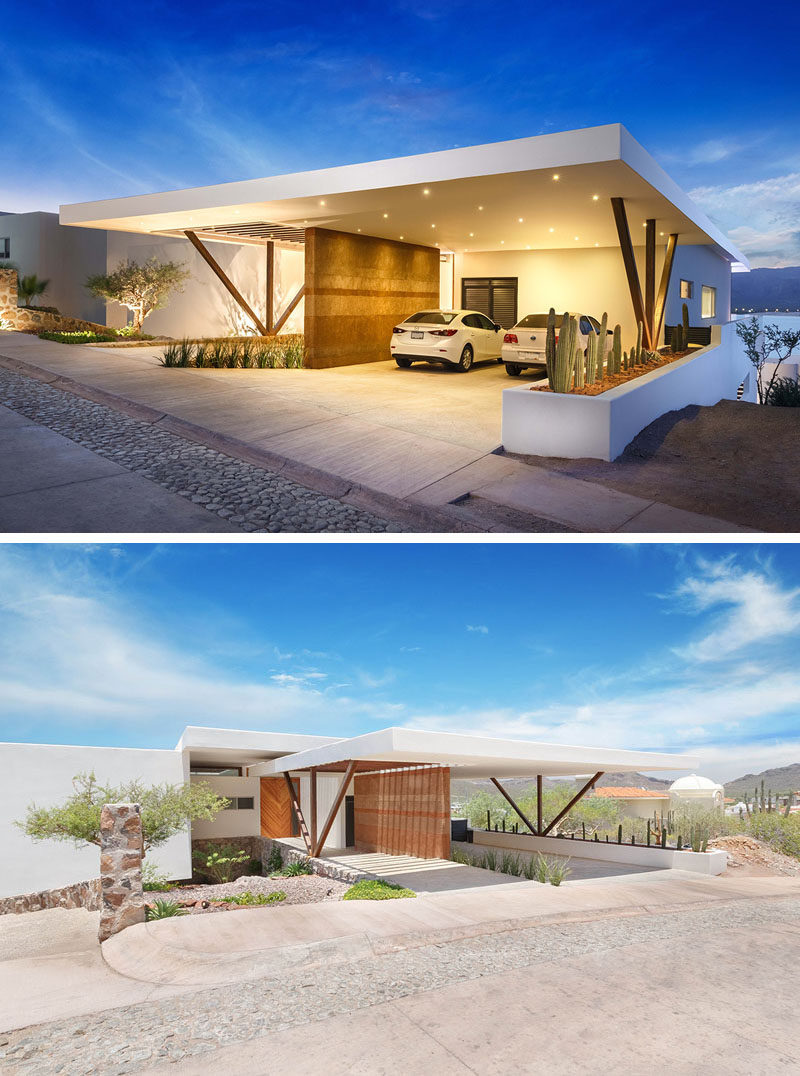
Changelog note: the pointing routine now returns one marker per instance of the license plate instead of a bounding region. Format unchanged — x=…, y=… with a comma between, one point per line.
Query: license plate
x=417, y=336
x=531, y=356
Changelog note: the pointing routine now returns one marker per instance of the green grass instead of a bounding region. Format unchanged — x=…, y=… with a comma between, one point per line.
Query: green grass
x=86, y=336
x=377, y=889
x=248, y=899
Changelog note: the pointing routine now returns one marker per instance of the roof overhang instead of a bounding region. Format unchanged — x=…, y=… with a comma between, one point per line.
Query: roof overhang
x=207, y=746
x=502, y=196
x=471, y=756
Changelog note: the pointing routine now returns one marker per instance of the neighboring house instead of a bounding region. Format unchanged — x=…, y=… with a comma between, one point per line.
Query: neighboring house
x=698, y=791
x=636, y=802
x=579, y=220
x=386, y=791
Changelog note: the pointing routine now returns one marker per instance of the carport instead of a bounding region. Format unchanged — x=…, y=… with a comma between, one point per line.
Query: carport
x=581, y=220
x=389, y=791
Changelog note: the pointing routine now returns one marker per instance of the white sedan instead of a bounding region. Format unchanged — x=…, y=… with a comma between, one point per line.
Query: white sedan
x=523, y=345
x=451, y=337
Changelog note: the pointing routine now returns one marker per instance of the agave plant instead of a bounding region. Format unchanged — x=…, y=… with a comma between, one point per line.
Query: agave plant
x=163, y=909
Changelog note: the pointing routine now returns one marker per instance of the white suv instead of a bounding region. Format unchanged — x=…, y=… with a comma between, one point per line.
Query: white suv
x=450, y=337
x=523, y=345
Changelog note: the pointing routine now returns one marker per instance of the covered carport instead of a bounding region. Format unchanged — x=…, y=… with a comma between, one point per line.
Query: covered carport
x=398, y=784
x=581, y=220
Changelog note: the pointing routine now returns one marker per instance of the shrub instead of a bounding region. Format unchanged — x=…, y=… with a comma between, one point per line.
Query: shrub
x=488, y=860
x=220, y=863
x=294, y=869
x=377, y=889
x=557, y=869
x=152, y=880
x=458, y=855
x=163, y=909
x=275, y=860
x=82, y=336
x=510, y=864
x=248, y=899
x=785, y=392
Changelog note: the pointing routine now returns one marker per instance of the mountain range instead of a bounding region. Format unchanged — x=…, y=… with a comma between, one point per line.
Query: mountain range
x=766, y=289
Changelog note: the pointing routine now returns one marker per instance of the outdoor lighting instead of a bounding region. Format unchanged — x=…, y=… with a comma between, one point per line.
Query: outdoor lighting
x=519, y=220
x=471, y=235
x=527, y=248
x=502, y=241
x=556, y=176
x=577, y=237
x=426, y=191
x=552, y=229
x=595, y=197
x=480, y=208
x=597, y=244
x=385, y=215
x=322, y=203
x=433, y=226
x=402, y=237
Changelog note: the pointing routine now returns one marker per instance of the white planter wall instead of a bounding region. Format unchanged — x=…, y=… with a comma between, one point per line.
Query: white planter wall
x=600, y=427
x=710, y=863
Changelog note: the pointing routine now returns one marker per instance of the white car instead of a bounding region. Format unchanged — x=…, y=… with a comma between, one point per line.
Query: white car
x=451, y=337
x=523, y=345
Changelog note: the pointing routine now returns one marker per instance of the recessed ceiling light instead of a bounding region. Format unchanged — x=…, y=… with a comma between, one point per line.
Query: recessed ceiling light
x=305, y=222
x=472, y=235
x=402, y=237
x=556, y=176
x=519, y=220
x=480, y=208
x=433, y=226
x=552, y=229
x=577, y=237
x=597, y=244
x=661, y=233
x=426, y=191
x=358, y=229
x=502, y=241
x=527, y=248
x=322, y=203
x=595, y=197
x=385, y=215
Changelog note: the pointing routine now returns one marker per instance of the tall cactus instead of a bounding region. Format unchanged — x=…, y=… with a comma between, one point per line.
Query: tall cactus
x=550, y=345
x=563, y=366
x=616, y=351
x=579, y=368
x=685, y=320
x=602, y=347
x=638, y=355
x=591, y=359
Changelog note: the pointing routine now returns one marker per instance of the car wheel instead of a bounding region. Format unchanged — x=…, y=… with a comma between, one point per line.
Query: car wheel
x=403, y=363
x=513, y=370
x=465, y=362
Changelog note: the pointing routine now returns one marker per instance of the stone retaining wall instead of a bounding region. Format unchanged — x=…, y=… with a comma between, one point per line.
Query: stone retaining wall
x=79, y=895
x=324, y=867
x=24, y=320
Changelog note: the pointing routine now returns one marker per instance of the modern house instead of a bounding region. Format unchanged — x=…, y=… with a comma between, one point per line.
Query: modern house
x=384, y=791
x=636, y=802
x=581, y=220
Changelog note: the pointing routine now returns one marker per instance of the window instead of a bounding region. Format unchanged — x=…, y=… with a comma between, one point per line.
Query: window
x=484, y=323
x=5, y=247
x=687, y=289
x=538, y=321
x=708, y=302
x=240, y=803
x=585, y=326
x=198, y=770
x=471, y=321
x=432, y=317
x=496, y=297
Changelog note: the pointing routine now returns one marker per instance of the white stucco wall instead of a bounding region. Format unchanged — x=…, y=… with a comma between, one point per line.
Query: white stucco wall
x=205, y=307
x=327, y=787
x=643, y=808
x=231, y=823
x=701, y=265
x=64, y=256
x=42, y=774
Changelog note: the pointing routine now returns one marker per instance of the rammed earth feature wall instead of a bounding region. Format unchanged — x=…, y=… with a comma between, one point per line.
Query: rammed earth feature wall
x=404, y=812
x=357, y=288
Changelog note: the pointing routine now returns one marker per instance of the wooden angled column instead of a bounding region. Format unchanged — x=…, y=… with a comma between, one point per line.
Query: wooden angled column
x=218, y=271
x=319, y=844
x=650, y=277
x=270, y=284
x=503, y=792
x=632, y=273
x=578, y=796
x=301, y=822
x=663, y=288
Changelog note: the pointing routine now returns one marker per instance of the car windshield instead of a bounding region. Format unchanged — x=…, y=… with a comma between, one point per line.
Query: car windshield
x=433, y=317
x=538, y=321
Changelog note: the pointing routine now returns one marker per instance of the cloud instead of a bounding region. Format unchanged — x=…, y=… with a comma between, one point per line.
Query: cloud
x=481, y=629
x=771, y=207
x=410, y=649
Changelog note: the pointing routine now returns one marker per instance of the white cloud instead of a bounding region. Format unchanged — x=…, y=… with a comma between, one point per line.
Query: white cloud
x=771, y=207
x=481, y=629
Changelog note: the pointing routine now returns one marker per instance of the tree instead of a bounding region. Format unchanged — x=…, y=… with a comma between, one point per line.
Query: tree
x=767, y=344
x=166, y=810
x=141, y=288
x=28, y=287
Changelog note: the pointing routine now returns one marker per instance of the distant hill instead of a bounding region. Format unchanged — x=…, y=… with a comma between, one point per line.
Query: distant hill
x=766, y=289
x=781, y=780
x=460, y=790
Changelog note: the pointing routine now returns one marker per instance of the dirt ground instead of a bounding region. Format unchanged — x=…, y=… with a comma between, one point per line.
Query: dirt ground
x=750, y=858
x=734, y=461
x=300, y=889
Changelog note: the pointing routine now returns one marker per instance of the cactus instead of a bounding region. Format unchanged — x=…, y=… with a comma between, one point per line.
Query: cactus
x=616, y=351
x=685, y=321
x=602, y=348
x=663, y=838
x=619, y=833
x=579, y=369
x=789, y=802
x=680, y=842
x=560, y=371
x=638, y=357
x=591, y=359
x=675, y=340
x=550, y=344
x=648, y=832
x=583, y=828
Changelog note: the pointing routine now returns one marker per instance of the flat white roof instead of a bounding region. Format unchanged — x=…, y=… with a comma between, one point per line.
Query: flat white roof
x=208, y=745
x=501, y=196
x=476, y=756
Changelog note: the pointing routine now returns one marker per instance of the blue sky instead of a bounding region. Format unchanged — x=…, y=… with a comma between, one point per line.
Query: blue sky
x=103, y=100
x=643, y=646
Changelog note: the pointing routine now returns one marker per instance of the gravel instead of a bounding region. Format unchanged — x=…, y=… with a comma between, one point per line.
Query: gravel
x=300, y=889
x=249, y=497
x=137, y=1037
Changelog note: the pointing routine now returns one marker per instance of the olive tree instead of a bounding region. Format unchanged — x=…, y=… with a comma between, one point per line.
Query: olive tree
x=166, y=810
x=140, y=288
x=766, y=344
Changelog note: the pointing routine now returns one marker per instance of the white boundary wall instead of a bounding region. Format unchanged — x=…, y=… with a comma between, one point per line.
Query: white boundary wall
x=711, y=863
x=600, y=427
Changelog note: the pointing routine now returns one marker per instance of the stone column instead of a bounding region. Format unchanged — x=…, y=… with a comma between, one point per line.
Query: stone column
x=121, y=853
x=8, y=292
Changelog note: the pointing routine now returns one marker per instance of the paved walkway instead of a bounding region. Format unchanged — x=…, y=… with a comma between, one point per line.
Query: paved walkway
x=426, y=437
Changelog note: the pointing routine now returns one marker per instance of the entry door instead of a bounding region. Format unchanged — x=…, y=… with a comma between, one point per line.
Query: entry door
x=277, y=816
x=349, y=821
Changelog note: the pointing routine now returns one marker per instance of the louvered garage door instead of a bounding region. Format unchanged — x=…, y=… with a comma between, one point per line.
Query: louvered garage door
x=496, y=297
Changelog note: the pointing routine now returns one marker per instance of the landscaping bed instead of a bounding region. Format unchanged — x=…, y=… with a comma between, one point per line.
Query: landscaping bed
x=301, y=889
x=237, y=353
x=610, y=381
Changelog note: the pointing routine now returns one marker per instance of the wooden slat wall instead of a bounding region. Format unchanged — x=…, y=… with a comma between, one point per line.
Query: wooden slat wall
x=276, y=808
x=404, y=813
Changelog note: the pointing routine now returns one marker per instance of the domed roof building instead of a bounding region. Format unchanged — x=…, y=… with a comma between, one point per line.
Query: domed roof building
x=695, y=789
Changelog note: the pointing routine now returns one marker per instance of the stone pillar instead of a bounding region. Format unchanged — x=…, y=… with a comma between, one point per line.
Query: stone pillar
x=121, y=854
x=8, y=291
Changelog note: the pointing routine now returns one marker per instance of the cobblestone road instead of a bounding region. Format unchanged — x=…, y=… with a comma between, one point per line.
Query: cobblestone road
x=249, y=497
x=128, y=1040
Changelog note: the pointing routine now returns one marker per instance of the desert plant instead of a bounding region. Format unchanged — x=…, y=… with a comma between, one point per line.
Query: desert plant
x=377, y=889
x=170, y=355
x=163, y=909
x=488, y=860
x=616, y=351
x=165, y=810
x=510, y=864
x=274, y=860
x=28, y=287
x=248, y=899
x=767, y=344
x=685, y=324
x=784, y=392
x=592, y=348
x=220, y=863
x=537, y=868
x=458, y=855
x=560, y=372
x=638, y=352
x=294, y=869
x=153, y=881
x=558, y=869
x=140, y=288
